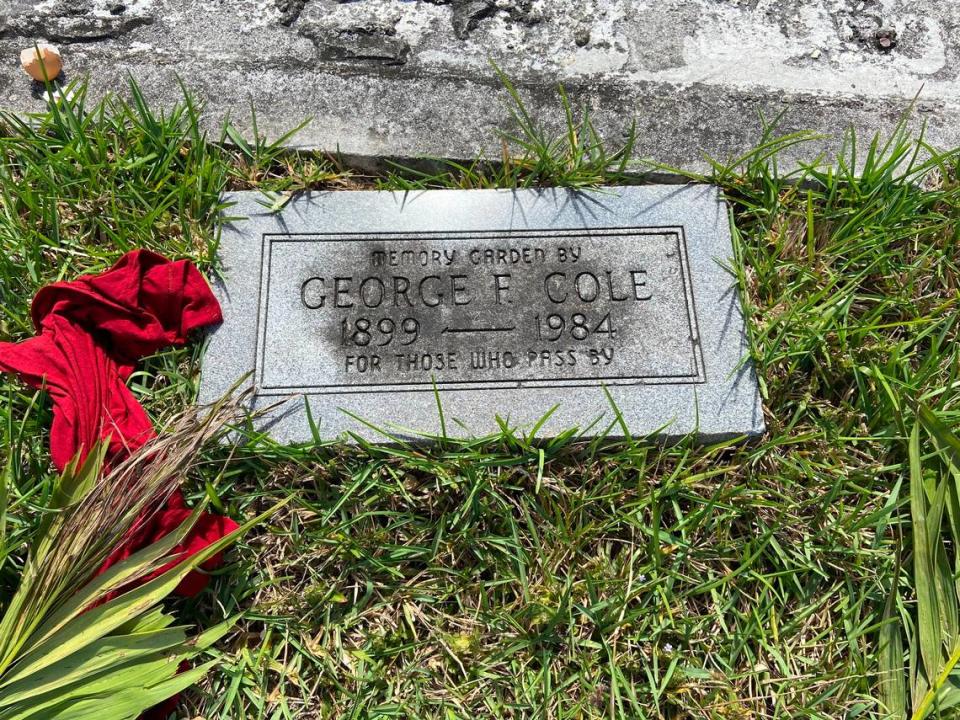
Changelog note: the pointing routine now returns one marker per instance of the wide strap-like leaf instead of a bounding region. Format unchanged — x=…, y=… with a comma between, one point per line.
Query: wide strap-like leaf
x=154, y=619
x=101, y=655
x=139, y=564
x=924, y=568
x=124, y=693
x=27, y=605
x=135, y=674
x=128, y=704
x=71, y=487
x=945, y=438
x=892, y=686
x=104, y=619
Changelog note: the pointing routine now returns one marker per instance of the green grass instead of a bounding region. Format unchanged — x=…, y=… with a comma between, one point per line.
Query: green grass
x=568, y=578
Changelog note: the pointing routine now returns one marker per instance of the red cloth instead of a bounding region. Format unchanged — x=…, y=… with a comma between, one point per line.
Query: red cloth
x=91, y=332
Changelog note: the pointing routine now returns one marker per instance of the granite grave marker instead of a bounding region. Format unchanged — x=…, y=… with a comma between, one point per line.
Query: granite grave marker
x=502, y=303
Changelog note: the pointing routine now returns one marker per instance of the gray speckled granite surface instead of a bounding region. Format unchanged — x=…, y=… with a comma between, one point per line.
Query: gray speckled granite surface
x=509, y=302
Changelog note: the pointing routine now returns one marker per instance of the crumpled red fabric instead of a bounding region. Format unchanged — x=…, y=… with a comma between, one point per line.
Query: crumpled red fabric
x=90, y=334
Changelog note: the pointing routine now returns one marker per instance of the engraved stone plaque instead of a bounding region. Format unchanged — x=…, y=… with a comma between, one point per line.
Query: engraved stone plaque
x=604, y=307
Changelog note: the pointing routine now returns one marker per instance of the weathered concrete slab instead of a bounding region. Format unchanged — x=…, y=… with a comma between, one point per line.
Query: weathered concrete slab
x=506, y=303
x=411, y=78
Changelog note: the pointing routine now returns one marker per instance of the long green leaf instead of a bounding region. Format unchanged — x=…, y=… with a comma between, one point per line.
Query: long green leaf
x=104, y=654
x=74, y=484
x=119, y=695
x=936, y=489
x=212, y=635
x=932, y=695
x=136, y=674
x=893, y=681
x=953, y=514
x=946, y=440
x=151, y=673
x=154, y=619
x=924, y=569
x=71, y=486
x=129, y=703
x=105, y=618
x=25, y=608
x=6, y=482
x=947, y=599
x=139, y=564
x=949, y=695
